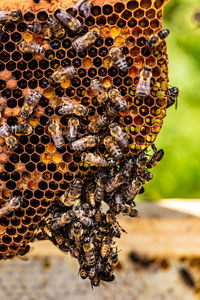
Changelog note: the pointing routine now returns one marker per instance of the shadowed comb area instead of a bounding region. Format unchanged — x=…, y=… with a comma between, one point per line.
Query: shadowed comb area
x=39, y=172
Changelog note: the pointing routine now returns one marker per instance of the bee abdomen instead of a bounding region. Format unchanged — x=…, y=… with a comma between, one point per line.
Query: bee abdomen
x=122, y=64
x=163, y=33
x=90, y=258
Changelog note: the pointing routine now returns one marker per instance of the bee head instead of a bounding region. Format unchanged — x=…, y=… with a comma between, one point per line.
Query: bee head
x=87, y=240
x=83, y=110
x=95, y=33
x=174, y=91
x=152, y=41
x=17, y=201
x=147, y=69
x=148, y=176
x=16, y=15
x=95, y=281
x=77, y=225
x=19, y=14
x=83, y=155
x=113, y=125
x=78, y=181
x=25, y=112
x=114, y=255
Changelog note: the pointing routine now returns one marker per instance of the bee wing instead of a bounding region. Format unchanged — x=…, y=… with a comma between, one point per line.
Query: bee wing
x=85, y=8
x=63, y=17
x=143, y=86
x=147, y=85
x=67, y=100
x=4, y=16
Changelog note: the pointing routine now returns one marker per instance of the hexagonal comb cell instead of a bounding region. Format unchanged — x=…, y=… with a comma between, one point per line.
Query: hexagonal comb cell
x=40, y=169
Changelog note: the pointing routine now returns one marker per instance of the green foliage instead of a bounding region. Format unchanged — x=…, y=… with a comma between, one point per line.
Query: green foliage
x=178, y=174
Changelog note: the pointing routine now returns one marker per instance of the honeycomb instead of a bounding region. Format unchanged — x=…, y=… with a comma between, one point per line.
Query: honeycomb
x=36, y=170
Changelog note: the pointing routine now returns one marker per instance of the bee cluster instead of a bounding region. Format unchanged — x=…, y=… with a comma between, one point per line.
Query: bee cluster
x=92, y=92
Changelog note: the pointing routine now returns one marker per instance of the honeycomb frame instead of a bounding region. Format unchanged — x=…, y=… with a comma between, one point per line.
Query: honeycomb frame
x=43, y=172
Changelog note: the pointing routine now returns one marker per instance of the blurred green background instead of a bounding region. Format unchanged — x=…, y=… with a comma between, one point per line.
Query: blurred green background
x=178, y=174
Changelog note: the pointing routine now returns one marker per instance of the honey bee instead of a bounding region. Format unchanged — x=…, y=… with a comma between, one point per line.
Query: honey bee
x=13, y=204
x=107, y=277
x=96, y=86
x=4, y=131
x=127, y=168
x=117, y=100
x=114, y=182
x=88, y=141
x=100, y=187
x=98, y=217
x=141, y=161
x=119, y=136
x=67, y=20
x=91, y=273
x=68, y=216
x=96, y=125
x=143, y=87
x=83, y=272
x=112, y=147
x=84, y=7
x=155, y=39
x=89, y=252
x=173, y=97
x=72, y=194
x=11, y=142
x=115, y=227
x=2, y=30
x=108, y=272
x=56, y=134
x=117, y=202
x=155, y=158
x=136, y=185
x=71, y=107
x=29, y=104
x=95, y=281
x=59, y=221
x=83, y=42
x=86, y=221
x=77, y=230
x=72, y=129
x=133, y=189
x=111, y=111
x=89, y=211
x=37, y=28
x=90, y=194
x=59, y=238
x=105, y=248
x=98, y=90
x=129, y=210
x=94, y=159
x=57, y=29
x=10, y=16
x=30, y=47
x=114, y=258
x=24, y=251
x=24, y=128
x=47, y=231
x=118, y=59
x=63, y=74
